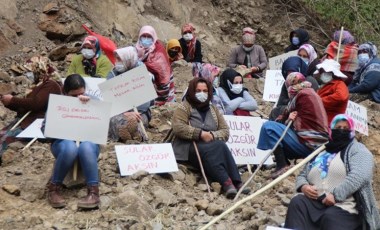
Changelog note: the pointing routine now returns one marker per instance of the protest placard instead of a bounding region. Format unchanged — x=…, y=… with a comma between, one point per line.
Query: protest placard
x=273, y=84
x=92, y=88
x=153, y=158
x=128, y=90
x=69, y=118
x=275, y=63
x=359, y=115
x=244, y=135
x=33, y=130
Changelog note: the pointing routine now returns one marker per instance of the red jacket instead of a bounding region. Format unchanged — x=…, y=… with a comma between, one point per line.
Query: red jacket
x=334, y=96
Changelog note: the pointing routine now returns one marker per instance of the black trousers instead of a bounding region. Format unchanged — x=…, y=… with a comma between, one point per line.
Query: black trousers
x=305, y=213
x=217, y=161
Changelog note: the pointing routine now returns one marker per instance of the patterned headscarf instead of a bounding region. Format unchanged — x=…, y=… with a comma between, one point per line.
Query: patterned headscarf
x=141, y=50
x=190, y=44
x=248, y=36
x=347, y=37
x=94, y=44
x=310, y=52
x=128, y=56
x=295, y=82
x=344, y=117
x=370, y=48
x=206, y=71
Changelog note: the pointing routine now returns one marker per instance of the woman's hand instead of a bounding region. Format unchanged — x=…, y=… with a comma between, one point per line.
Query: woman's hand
x=206, y=136
x=255, y=69
x=135, y=115
x=84, y=99
x=310, y=191
x=329, y=200
x=292, y=116
x=6, y=99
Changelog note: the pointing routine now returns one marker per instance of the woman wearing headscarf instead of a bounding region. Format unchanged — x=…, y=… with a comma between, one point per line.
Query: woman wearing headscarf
x=191, y=46
x=91, y=62
x=348, y=59
x=335, y=188
x=290, y=65
x=307, y=53
x=366, y=83
x=174, y=50
x=153, y=54
x=308, y=131
x=197, y=122
x=333, y=92
x=46, y=81
x=236, y=99
x=248, y=55
x=297, y=38
x=124, y=126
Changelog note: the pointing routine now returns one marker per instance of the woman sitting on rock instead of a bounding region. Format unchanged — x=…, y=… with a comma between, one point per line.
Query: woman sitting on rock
x=47, y=82
x=124, y=126
x=66, y=152
x=335, y=189
x=236, y=99
x=308, y=131
x=174, y=50
x=307, y=53
x=297, y=38
x=190, y=45
x=197, y=124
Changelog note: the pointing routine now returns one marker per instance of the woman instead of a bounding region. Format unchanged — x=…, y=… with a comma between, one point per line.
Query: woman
x=308, y=131
x=190, y=45
x=333, y=92
x=196, y=122
x=348, y=59
x=91, y=62
x=236, y=99
x=248, y=55
x=307, y=53
x=335, y=190
x=174, y=50
x=46, y=82
x=366, y=83
x=124, y=126
x=297, y=38
x=153, y=54
x=66, y=152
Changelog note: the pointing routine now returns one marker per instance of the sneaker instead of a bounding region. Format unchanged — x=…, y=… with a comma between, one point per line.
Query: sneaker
x=230, y=191
x=245, y=191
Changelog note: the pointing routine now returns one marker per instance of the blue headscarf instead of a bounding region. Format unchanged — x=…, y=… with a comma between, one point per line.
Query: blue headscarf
x=293, y=64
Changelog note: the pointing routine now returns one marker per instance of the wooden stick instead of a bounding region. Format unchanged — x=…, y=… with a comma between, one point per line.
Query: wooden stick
x=249, y=169
x=340, y=42
x=145, y=135
x=201, y=166
x=29, y=144
x=75, y=168
x=265, y=188
x=19, y=121
x=263, y=161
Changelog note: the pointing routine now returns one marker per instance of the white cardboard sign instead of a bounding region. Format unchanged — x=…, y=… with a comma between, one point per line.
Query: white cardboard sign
x=244, y=135
x=128, y=90
x=275, y=63
x=273, y=85
x=153, y=158
x=69, y=118
x=359, y=115
x=92, y=88
x=33, y=130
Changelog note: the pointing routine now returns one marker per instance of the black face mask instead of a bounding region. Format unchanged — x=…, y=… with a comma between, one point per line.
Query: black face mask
x=340, y=138
x=172, y=53
x=340, y=134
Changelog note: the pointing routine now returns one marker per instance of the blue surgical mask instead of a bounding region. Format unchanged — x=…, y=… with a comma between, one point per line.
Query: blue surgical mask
x=146, y=42
x=306, y=60
x=363, y=58
x=295, y=41
x=201, y=96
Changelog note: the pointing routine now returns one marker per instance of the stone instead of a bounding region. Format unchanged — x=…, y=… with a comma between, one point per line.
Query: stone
x=15, y=26
x=26, y=49
x=8, y=156
x=179, y=175
x=164, y=127
x=139, y=175
x=12, y=189
x=247, y=213
x=6, y=88
x=216, y=187
x=162, y=196
x=51, y=7
x=202, y=187
x=59, y=53
x=201, y=204
x=214, y=209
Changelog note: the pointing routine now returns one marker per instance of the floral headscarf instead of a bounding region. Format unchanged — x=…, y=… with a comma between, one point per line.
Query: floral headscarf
x=248, y=36
x=94, y=44
x=347, y=37
x=295, y=82
x=190, y=44
x=310, y=52
x=344, y=117
x=206, y=71
x=128, y=56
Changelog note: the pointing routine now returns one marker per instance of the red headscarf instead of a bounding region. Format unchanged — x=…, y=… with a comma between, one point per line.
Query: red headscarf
x=191, y=43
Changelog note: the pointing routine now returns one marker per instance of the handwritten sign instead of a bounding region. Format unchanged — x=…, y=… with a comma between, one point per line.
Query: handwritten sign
x=273, y=84
x=275, y=63
x=128, y=90
x=244, y=135
x=359, y=115
x=153, y=158
x=33, y=130
x=92, y=88
x=68, y=118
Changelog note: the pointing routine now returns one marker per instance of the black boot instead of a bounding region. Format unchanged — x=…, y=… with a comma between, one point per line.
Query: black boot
x=281, y=163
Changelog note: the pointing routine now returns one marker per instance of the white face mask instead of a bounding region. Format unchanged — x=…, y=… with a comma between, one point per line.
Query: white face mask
x=236, y=88
x=326, y=77
x=201, y=96
x=119, y=67
x=187, y=36
x=88, y=53
x=363, y=58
